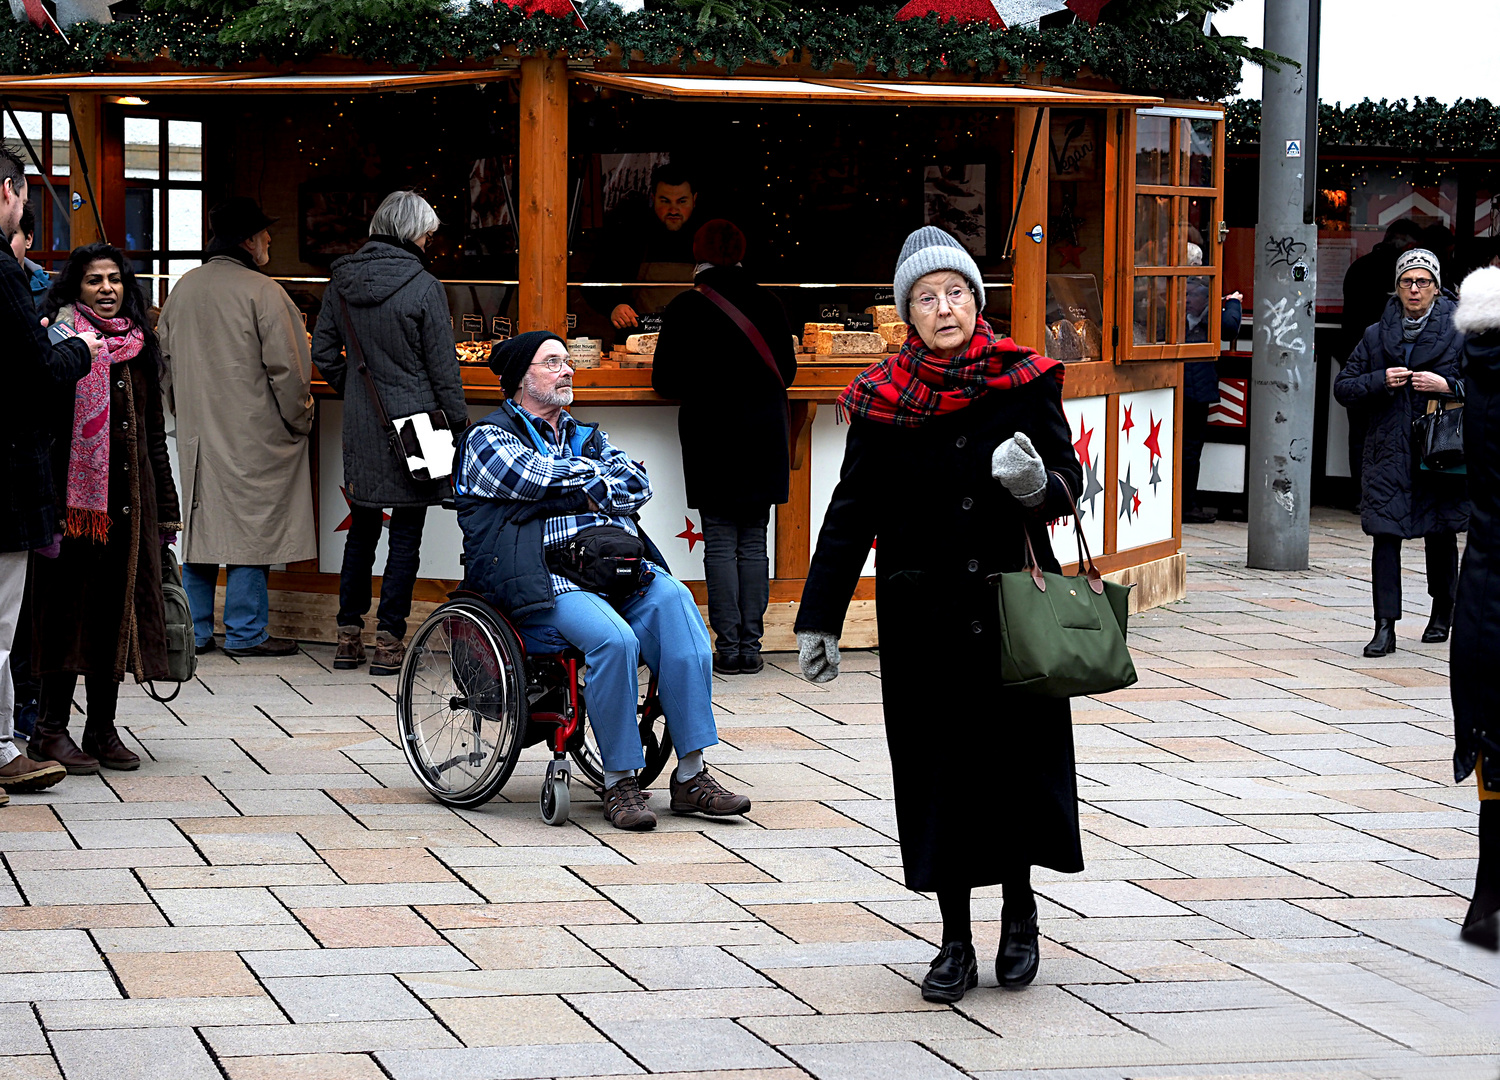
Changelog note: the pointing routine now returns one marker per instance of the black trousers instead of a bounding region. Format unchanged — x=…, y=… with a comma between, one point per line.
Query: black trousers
x=737, y=572
x=1194, y=433
x=1442, y=573
x=57, y=700
x=401, y=563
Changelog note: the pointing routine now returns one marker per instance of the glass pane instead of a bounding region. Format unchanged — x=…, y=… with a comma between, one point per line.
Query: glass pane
x=1197, y=153
x=1151, y=310
x=1153, y=225
x=185, y=220
x=61, y=148
x=184, y=150
x=1153, y=150
x=1199, y=231
x=62, y=227
x=1193, y=323
x=142, y=148
x=31, y=127
x=140, y=219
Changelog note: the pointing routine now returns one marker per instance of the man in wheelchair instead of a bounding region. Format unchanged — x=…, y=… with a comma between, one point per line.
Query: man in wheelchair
x=533, y=486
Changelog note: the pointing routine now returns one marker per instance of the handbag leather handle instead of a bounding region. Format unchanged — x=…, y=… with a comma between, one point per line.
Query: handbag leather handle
x=1095, y=579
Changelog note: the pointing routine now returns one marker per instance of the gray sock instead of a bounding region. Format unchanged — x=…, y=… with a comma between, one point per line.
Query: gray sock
x=611, y=777
x=689, y=766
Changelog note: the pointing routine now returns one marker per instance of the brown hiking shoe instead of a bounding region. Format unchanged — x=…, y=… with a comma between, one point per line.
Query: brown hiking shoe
x=625, y=806
x=23, y=774
x=389, y=652
x=705, y=795
x=351, y=651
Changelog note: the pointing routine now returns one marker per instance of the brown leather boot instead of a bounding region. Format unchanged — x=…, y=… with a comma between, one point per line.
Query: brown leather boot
x=103, y=742
x=351, y=651
x=55, y=744
x=390, y=651
x=23, y=774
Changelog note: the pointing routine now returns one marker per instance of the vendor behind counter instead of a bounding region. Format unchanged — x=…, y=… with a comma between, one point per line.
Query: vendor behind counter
x=641, y=245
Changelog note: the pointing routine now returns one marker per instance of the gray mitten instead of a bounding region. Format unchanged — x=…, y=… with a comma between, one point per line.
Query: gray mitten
x=818, y=654
x=1018, y=466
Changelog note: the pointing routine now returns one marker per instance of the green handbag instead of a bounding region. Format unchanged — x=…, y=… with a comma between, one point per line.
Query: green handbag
x=1063, y=636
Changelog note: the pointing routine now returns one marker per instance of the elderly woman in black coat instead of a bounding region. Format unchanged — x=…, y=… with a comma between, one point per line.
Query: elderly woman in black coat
x=1407, y=359
x=1476, y=621
x=399, y=314
x=957, y=449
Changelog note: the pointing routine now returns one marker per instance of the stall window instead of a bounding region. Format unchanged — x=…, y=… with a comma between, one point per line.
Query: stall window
x=1172, y=192
x=164, y=212
x=48, y=134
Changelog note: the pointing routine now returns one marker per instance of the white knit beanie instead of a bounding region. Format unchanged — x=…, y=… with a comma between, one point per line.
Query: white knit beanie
x=1419, y=259
x=926, y=251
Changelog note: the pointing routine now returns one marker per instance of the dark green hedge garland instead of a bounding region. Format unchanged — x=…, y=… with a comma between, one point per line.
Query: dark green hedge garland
x=1143, y=55
x=1423, y=126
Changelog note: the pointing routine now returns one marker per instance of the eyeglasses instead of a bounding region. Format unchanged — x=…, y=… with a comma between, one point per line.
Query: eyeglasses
x=1415, y=283
x=958, y=297
x=555, y=363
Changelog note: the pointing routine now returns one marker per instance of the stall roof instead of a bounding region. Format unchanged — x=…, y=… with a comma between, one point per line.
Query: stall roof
x=192, y=83
x=846, y=91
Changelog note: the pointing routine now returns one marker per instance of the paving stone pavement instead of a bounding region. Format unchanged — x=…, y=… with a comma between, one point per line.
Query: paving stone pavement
x=1277, y=862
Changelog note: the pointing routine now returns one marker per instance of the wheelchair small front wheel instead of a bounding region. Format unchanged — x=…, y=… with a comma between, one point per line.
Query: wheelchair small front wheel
x=656, y=743
x=556, y=800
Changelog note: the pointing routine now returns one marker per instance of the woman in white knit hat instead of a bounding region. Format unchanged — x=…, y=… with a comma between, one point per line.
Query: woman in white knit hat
x=957, y=450
x=1410, y=357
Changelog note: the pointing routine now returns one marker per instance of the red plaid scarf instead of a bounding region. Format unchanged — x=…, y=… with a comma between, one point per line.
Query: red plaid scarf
x=913, y=386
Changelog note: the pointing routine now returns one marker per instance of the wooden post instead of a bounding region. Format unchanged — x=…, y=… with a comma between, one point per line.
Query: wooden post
x=543, y=195
x=87, y=113
x=794, y=518
x=1028, y=301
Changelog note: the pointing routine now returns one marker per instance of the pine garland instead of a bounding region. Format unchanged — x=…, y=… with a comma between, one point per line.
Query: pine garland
x=1147, y=51
x=1424, y=126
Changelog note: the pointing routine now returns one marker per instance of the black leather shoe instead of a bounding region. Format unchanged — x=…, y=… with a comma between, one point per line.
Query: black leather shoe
x=1384, y=641
x=727, y=665
x=954, y=972
x=1019, y=957
x=207, y=647
x=1437, y=628
x=751, y=664
x=1485, y=932
x=272, y=646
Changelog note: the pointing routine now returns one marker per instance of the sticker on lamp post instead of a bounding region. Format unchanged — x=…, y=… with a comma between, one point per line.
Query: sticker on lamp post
x=1294, y=148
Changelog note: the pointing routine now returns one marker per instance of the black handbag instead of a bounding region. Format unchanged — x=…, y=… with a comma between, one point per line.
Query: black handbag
x=1440, y=433
x=603, y=559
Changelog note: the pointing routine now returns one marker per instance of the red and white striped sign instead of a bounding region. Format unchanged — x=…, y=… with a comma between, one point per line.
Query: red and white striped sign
x=1229, y=411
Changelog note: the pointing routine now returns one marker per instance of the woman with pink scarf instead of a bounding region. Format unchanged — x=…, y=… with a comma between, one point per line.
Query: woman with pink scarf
x=97, y=609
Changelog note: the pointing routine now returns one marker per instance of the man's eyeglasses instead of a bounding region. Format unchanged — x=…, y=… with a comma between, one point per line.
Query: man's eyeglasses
x=1415, y=283
x=958, y=297
x=555, y=363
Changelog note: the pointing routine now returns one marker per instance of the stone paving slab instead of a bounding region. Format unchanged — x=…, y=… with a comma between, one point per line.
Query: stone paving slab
x=1277, y=861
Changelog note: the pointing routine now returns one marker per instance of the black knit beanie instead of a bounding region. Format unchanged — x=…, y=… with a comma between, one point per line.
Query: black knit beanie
x=510, y=358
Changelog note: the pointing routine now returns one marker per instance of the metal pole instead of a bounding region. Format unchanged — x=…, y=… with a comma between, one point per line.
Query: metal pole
x=1283, y=379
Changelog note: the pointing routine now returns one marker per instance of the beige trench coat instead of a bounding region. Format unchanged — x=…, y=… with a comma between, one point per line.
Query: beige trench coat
x=239, y=374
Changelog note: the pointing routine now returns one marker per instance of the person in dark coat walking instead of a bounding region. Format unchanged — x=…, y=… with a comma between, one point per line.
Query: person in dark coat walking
x=957, y=450
x=733, y=428
x=36, y=370
x=1476, y=619
x=1404, y=361
x=97, y=607
x=399, y=314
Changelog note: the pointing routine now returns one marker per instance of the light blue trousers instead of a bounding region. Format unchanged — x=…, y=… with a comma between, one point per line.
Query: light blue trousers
x=247, y=603
x=660, y=626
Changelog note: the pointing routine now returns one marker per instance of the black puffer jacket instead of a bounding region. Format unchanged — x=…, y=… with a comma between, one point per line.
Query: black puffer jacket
x=400, y=314
x=1398, y=498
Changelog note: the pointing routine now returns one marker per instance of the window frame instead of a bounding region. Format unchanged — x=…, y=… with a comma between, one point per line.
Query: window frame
x=44, y=254
x=158, y=257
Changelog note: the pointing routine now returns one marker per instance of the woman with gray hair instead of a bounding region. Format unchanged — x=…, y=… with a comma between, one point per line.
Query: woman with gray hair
x=398, y=314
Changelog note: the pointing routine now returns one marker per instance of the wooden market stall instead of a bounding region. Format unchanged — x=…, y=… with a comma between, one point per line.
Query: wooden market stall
x=1102, y=225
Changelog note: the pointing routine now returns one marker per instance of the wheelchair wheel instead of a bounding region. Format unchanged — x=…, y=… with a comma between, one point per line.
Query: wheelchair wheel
x=556, y=800
x=655, y=740
x=461, y=708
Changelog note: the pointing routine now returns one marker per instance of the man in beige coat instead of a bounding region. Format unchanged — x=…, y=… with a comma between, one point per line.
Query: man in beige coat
x=239, y=375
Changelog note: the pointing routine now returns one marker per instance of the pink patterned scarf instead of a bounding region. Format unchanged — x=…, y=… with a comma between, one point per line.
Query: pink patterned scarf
x=88, y=455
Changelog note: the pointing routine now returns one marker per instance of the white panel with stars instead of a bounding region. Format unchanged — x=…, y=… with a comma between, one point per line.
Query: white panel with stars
x=1144, y=475
x=1088, y=422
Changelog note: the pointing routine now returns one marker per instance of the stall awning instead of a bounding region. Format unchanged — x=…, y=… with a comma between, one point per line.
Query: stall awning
x=192, y=83
x=850, y=91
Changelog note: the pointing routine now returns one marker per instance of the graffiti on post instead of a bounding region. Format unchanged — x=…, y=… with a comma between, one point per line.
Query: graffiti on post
x=1284, y=250
x=1281, y=326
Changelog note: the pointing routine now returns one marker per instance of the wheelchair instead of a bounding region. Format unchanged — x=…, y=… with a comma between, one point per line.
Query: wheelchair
x=470, y=699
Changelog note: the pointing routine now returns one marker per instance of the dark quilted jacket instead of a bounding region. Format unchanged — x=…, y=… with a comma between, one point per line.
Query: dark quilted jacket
x=400, y=314
x=1398, y=498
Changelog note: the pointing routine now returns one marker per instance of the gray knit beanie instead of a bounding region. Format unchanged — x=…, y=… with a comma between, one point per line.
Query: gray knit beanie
x=927, y=250
x=1419, y=259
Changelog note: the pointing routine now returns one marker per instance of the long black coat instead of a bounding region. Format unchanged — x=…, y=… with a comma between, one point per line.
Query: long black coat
x=400, y=314
x=1398, y=498
x=1476, y=617
x=97, y=609
x=733, y=420
x=984, y=776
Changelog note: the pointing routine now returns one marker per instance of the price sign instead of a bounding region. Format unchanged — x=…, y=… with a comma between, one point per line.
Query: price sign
x=832, y=312
x=650, y=324
x=859, y=322
x=471, y=325
x=500, y=327
x=885, y=296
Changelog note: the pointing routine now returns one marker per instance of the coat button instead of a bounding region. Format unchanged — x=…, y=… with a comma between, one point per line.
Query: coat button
x=973, y=566
x=125, y=509
x=977, y=626
x=967, y=504
x=961, y=442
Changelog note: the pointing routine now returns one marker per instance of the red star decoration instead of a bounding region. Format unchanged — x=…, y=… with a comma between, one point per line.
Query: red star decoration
x=963, y=11
x=343, y=526
x=1087, y=10
x=1129, y=423
x=1153, y=441
x=1081, y=447
x=689, y=535
x=1069, y=254
x=1136, y=501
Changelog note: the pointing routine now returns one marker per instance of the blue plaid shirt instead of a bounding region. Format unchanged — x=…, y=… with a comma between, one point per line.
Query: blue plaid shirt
x=495, y=464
